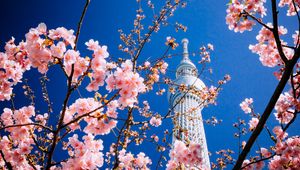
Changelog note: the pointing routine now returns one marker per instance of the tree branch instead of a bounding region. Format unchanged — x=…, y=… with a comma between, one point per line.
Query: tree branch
x=285, y=77
x=7, y=164
x=257, y=20
x=70, y=90
x=263, y=159
x=275, y=32
x=27, y=124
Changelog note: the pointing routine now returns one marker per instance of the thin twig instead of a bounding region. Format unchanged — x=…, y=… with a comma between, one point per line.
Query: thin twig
x=69, y=91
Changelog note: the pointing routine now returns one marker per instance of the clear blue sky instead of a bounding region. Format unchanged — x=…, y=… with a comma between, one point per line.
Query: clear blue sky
x=206, y=24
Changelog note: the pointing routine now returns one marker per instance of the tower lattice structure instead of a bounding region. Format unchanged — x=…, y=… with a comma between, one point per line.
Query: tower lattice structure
x=187, y=106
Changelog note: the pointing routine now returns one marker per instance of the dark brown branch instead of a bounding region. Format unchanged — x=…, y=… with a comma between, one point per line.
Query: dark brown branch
x=275, y=32
x=80, y=22
x=27, y=124
x=30, y=162
x=88, y=113
x=257, y=20
x=126, y=125
x=285, y=77
x=291, y=121
x=287, y=46
x=7, y=164
x=270, y=134
x=254, y=162
x=37, y=144
x=69, y=92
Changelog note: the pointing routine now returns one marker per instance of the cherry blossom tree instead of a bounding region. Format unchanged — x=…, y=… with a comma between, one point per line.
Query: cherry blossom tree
x=31, y=139
x=273, y=51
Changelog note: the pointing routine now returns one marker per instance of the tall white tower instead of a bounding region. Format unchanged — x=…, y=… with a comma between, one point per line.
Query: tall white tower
x=188, y=106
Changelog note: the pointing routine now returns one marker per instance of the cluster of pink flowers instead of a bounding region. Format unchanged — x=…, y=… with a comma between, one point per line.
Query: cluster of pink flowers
x=45, y=47
x=209, y=94
x=164, y=67
x=296, y=37
x=128, y=82
x=80, y=64
x=36, y=46
x=155, y=137
x=190, y=155
x=128, y=161
x=284, y=108
x=83, y=155
x=280, y=134
x=256, y=166
x=153, y=76
x=266, y=47
x=205, y=53
x=67, y=36
x=20, y=141
x=287, y=154
x=98, y=65
x=155, y=121
x=144, y=111
x=246, y=105
x=241, y=16
x=291, y=7
x=235, y=10
x=97, y=123
x=13, y=63
x=111, y=110
x=265, y=152
x=253, y=123
x=41, y=48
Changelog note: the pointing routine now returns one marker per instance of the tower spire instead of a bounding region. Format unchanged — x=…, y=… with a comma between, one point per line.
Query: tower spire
x=185, y=43
x=186, y=67
x=188, y=106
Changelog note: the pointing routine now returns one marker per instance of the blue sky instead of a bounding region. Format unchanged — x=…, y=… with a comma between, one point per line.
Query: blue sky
x=205, y=20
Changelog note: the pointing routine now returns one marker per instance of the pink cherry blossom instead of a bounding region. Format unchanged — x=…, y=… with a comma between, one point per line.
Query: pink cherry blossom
x=288, y=154
x=253, y=123
x=128, y=161
x=58, y=50
x=265, y=153
x=172, y=164
x=280, y=134
x=42, y=28
x=101, y=52
x=284, y=108
x=267, y=48
x=20, y=141
x=291, y=8
x=188, y=155
x=128, y=82
x=155, y=121
x=235, y=10
x=70, y=57
x=147, y=64
x=61, y=32
x=210, y=46
x=296, y=37
x=92, y=45
x=246, y=105
x=13, y=63
x=256, y=166
x=6, y=117
x=97, y=123
x=164, y=68
x=84, y=155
